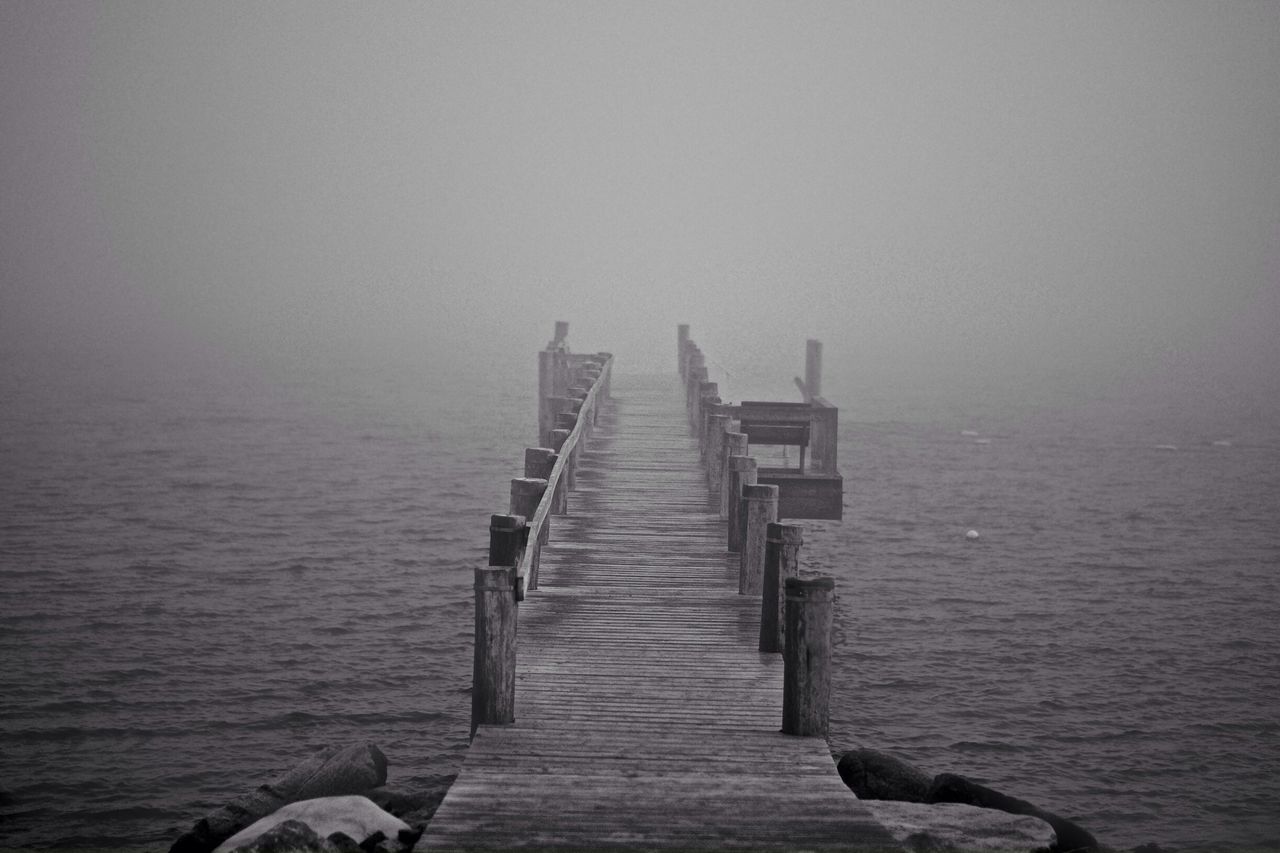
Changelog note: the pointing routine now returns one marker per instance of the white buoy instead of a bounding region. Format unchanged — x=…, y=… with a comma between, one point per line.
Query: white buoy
x=972, y=534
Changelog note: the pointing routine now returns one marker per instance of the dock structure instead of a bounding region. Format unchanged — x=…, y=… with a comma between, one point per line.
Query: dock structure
x=622, y=699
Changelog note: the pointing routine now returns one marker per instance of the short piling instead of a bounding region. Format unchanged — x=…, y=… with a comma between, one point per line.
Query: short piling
x=759, y=509
x=493, y=674
x=742, y=472
x=781, y=561
x=734, y=444
x=806, y=674
x=526, y=493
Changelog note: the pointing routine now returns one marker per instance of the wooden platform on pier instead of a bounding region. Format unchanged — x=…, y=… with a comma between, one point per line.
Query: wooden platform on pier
x=645, y=717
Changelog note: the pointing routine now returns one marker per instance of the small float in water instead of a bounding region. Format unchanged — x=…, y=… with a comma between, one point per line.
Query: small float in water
x=971, y=535
x=1166, y=447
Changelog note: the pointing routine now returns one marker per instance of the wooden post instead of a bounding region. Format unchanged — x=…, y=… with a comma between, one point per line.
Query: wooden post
x=526, y=493
x=538, y=462
x=555, y=405
x=508, y=535
x=546, y=381
x=742, y=473
x=717, y=424
x=735, y=444
x=806, y=673
x=493, y=672
x=759, y=508
x=604, y=362
x=682, y=337
x=697, y=376
x=708, y=395
x=562, y=331
x=812, y=369
x=560, y=500
x=781, y=561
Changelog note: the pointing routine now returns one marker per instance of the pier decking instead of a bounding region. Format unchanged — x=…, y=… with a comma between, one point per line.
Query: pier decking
x=644, y=715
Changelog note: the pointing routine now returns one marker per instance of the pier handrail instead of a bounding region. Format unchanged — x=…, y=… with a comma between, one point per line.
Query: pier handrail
x=526, y=567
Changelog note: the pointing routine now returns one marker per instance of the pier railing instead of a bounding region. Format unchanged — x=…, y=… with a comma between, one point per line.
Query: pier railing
x=571, y=389
x=795, y=613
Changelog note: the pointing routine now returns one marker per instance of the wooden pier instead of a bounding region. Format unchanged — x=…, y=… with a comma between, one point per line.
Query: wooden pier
x=630, y=708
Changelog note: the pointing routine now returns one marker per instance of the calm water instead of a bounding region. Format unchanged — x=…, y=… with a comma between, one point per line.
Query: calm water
x=207, y=576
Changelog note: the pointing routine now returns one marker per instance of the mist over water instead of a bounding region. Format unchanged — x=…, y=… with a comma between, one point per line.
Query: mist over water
x=272, y=278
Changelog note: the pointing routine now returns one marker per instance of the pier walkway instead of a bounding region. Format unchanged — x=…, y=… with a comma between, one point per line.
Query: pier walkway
x=645, y=718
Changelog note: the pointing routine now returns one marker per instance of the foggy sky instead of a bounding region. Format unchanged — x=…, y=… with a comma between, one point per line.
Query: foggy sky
x=933, y=189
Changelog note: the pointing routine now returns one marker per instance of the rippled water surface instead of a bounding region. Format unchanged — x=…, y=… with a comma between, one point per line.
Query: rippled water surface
x=207, y=577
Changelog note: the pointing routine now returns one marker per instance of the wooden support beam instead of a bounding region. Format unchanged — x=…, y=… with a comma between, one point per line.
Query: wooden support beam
x=781, y=561
x=759, y=508
x=806, y=676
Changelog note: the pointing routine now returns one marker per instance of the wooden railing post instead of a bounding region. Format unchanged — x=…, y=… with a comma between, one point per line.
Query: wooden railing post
x=742, y=473
x=508, y=536
x=708, y=396
x=806, y=674
x=759, y=509
x=735, y=444
x=493, y=672
x=682, y=337
x=604, y=361
x=781, y=561
x=526, y=493
x=538, y=462
x=546, y=382
x=556, y=404
x=560, y=500
x=717, y=424
x=812, y=369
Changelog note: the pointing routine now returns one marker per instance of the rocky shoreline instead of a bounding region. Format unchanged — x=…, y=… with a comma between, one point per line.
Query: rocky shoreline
x=927, y=813
x=338, y=801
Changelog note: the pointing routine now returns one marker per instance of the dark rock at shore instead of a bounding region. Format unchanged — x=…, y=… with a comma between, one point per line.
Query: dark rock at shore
x=350, y=770
x=292, y=835
x=875, y=775
x=951, y=788
x=413, y=807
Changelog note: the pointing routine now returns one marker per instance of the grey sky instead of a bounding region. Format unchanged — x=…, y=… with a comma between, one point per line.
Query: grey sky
x=931, y=188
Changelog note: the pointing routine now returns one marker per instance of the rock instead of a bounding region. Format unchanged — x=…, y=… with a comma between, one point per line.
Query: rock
x=950, y=788
x=922, y=828
x=291, y=836
x=331, y=772
x=352, y=816
x=875, y=775
x=413, y=807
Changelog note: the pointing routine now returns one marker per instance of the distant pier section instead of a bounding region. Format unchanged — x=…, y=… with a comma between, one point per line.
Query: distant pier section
x=814, y=489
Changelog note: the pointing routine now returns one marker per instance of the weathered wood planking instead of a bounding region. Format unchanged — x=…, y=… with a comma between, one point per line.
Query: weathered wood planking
x=645, y=717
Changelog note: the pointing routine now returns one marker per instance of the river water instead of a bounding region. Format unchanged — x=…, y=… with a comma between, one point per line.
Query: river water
x=209, y=574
